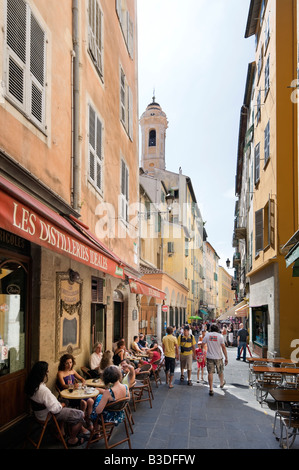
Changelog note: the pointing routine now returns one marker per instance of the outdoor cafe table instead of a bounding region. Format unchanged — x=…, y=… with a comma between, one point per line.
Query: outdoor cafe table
x=95, y=383
x=79, y=394
x=274, y=360
x=280, y=370
x=285, y=395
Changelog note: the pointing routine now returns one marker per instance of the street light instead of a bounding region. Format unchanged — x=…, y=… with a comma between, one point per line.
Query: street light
x=228, y=262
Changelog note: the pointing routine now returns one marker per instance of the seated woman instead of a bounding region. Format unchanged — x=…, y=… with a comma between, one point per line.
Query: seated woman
x=119, y=354
x=36, y=390
x=128, y=372
x=106, y=360
x=67, y=375
x=154, y=356
x=95, y=360
x=111, y=375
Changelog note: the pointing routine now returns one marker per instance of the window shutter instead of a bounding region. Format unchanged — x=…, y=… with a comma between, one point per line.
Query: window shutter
x=97, y=289
x=122, y=97
x=118, y=8
x=130, y=111
x=17, y=50
x=95, y=28
x=124, y=190
x=131, y=38
x=37, y=69
x=26, y=43
x=259, y=231
x=272, y=222
x=257, y=163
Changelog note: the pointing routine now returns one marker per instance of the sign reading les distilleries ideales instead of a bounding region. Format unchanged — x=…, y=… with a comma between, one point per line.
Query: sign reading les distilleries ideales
x=61, y=237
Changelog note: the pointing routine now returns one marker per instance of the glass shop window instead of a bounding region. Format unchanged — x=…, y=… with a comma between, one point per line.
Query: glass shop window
x=13, y=289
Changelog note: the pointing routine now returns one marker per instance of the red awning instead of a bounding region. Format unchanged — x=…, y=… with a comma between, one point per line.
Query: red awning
x=140, y=287
x=25, y=216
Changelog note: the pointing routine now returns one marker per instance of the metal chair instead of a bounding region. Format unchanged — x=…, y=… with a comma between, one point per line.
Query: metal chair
x=290, y=425
x=103, y=430
x=267, y=382
x=43, y=425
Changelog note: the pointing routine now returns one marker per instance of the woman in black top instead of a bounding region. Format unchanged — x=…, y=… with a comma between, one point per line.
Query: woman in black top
x=119, y=354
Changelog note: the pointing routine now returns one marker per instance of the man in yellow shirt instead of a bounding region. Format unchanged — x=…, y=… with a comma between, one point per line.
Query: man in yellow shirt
x=171, y=351
x=187, y=343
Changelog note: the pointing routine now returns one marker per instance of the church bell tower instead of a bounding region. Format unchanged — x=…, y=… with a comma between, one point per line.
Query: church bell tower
x=153, y=123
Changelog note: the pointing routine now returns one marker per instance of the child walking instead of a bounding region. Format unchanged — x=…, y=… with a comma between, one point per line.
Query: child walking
x=200, y=359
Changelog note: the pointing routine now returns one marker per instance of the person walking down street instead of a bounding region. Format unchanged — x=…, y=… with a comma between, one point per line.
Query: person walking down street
x=187, y=343
x=215, y=351
x=200, y=359
x=171, y=352
x=242, y=342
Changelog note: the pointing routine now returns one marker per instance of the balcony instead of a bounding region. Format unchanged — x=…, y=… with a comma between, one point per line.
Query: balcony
x=236, y=260
x=240, y=229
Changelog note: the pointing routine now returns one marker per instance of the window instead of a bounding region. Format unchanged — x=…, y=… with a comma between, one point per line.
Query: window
x=269, y=224
x=259, y=242
x=152, y=138
x=95, y=34
x=13, y=316
x=267, y=32
x=95, y=150
x=257, y=163
x=170, y=247
x=267, y=76
x=258, y=107
x=126, y=105
x=124, y=191
x=127, y=25
x=267, y=143
x=26, y=44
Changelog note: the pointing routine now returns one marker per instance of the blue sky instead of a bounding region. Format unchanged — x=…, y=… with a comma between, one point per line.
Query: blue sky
x=194, y=54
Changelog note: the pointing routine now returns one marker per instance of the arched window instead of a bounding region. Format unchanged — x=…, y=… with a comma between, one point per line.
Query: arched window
x=152, y=138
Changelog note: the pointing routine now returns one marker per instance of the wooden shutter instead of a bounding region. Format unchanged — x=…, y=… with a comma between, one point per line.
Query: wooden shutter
x=130, y=113
x=17, y=51
x=37, y=69
x=272, y=222
x=118, y=8
x=95, y=28
x=122, y=97
x=257, y=163
x=95, y=149
x=124, y=190
x=97, y=290
x=259, y=227
x=26, y=43
x=131, y=38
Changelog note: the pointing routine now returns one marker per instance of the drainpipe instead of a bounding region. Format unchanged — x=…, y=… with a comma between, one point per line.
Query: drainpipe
x=75, y=97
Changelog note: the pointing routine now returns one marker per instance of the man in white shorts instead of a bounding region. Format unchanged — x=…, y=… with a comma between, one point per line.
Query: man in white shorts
x=216, y=349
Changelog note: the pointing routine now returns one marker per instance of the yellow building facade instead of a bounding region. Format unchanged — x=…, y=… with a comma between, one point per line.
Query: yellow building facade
x=273, y=291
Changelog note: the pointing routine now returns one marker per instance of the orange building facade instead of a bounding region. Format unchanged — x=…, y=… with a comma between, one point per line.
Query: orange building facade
x=69, y=185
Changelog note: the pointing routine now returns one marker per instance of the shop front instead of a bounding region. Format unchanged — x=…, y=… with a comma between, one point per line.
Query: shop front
x=56, y=293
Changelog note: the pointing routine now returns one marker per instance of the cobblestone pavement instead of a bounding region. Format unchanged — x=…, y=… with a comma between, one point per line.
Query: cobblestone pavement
x=186, y=417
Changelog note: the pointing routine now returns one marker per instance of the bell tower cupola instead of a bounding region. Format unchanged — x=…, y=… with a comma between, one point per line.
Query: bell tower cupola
x=153, y=123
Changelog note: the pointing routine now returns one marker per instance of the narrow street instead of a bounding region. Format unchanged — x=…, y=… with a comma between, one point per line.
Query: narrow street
x=186, y=417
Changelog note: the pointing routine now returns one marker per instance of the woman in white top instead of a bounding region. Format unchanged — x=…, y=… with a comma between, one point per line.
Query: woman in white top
x=95, y=359
x=37, y=391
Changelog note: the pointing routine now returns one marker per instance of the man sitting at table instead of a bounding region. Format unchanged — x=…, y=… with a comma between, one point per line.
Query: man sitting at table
x=135, y=348
x=142, y=344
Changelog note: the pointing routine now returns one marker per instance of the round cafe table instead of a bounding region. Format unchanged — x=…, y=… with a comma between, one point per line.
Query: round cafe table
x=95, y=383
x=79, y=394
